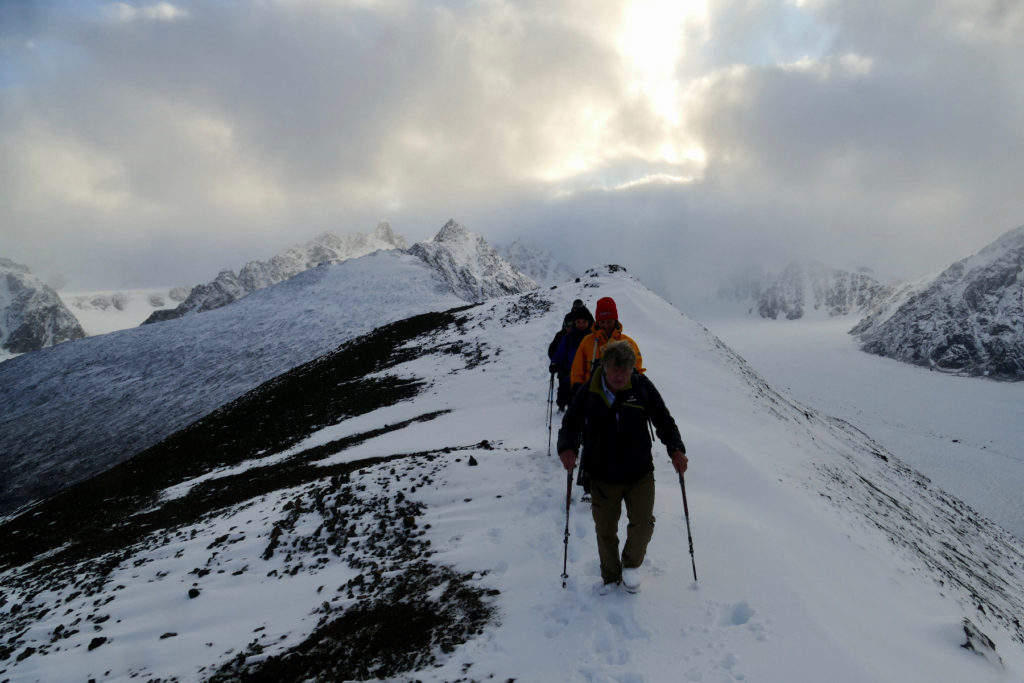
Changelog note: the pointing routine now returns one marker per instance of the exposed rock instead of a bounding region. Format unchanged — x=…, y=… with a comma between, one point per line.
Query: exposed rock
x=473, y=268
x=32, y=316
x=980, y=644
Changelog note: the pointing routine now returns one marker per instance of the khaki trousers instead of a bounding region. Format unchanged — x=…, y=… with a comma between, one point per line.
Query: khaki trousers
x=606, y=508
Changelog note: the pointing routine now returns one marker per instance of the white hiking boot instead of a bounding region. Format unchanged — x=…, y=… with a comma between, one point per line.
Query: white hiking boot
x=631, y=579
x=606, y=588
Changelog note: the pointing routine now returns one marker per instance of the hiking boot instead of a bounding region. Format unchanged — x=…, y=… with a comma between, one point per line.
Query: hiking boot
x=607, y=588
x=631, y=579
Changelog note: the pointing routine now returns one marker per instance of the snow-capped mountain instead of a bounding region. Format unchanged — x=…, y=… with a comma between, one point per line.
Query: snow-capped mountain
x=32, y=316
x=475, y=270
x=803, y=289
x=537, y=263
x=389, y=511
x=108, y=311
x=967, y=320
x=326, y=248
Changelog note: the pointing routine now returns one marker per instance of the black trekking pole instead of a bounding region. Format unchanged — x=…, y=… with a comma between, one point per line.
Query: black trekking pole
x=689, y=536
x=551, y=397
x=568, y=500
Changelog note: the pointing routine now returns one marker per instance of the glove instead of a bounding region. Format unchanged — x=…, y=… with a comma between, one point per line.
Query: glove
x=552, y=368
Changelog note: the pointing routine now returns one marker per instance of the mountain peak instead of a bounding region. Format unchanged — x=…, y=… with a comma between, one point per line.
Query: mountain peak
x=386, y=234
x=32, y=316
x=452, y=232
x=474, y=268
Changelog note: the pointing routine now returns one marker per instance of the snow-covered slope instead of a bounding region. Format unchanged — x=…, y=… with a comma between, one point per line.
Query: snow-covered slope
x=806, y=290
x=475, y=270
x=326, y=248
x=963, y=433
x=537, y=263
x=392, y=512
x=74, y=410
x=968, y=320
x=108, y=311
x=32, y=316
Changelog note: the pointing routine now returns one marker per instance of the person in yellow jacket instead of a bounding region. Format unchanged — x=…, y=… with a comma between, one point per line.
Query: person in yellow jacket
x=606, y=328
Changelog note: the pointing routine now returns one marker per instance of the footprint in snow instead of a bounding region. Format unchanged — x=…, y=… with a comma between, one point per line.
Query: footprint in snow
x=628, y=627
x=609, y=647
x=738, y=614
x=741, y=614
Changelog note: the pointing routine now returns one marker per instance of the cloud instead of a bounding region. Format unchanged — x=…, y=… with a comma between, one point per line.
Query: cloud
x=882, y=133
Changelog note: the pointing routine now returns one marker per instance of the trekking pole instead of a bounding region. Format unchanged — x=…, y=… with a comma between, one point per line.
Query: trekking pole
x=689, y=536
x=551, y=395
x=568, y=500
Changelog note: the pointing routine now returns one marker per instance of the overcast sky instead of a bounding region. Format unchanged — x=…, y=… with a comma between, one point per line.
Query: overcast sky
x=150, y=144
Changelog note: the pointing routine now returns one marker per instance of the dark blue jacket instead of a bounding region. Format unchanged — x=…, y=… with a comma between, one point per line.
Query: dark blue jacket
x=566, y=351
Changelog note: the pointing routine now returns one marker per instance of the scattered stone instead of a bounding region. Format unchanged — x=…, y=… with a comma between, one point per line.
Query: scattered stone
x=980, y=644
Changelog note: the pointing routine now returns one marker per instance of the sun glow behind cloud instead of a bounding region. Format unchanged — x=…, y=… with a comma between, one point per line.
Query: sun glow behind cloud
x=630, y=135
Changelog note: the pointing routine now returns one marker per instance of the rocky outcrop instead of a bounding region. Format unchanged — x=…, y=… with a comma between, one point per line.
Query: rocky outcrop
x=969, y=320
x=473, y=268
x=801, y=289
x=32, y=316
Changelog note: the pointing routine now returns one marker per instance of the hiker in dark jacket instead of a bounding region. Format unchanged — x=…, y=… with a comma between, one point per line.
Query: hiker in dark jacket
x=581, y=321
x=612, y=412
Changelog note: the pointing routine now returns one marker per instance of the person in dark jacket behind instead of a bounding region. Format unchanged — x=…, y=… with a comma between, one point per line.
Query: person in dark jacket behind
x=612, y=413
x=581, y=321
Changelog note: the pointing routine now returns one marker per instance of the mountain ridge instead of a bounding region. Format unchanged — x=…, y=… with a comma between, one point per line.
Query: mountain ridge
x=327, y=247
x=967, y=320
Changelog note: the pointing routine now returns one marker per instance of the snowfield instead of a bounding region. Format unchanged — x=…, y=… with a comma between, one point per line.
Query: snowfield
x=820, y=557
x=963, y=433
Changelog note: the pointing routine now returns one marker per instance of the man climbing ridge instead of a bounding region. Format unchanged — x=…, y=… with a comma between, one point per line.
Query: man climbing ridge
x=612, y=412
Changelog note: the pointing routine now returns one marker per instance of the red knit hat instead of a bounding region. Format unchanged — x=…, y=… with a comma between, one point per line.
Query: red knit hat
x=606, y=309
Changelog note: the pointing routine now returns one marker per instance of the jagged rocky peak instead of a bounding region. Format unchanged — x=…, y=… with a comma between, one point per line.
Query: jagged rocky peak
x=800, y=289
x=327, y=247
x=452, y=232
x=32, y=316
x=968, y=320
x=386, y=234
x=472, y=267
